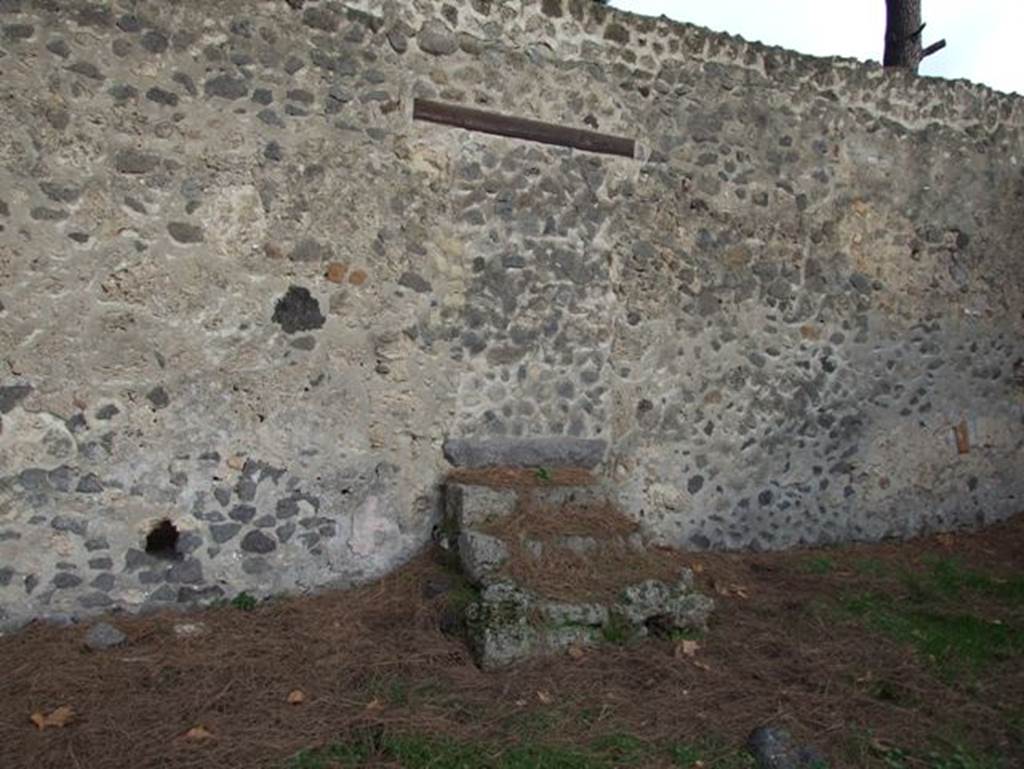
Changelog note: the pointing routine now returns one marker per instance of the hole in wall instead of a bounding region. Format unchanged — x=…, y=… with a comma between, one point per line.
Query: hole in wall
x=162, y=540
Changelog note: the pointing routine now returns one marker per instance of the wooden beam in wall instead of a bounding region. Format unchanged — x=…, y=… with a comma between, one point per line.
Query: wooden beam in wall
x=521, y=128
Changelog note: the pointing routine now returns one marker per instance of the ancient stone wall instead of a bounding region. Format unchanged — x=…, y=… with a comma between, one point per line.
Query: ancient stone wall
x=242, y=291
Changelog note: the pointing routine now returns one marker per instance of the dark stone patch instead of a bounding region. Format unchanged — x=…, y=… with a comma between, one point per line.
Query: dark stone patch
x=398, y=40
x=103, y=582
x=61, y=478
x=552, y=8
x=58, y=118
x=94, y=16
x=300, y=95
x=223, y=495
x=11, y=395
x=285, y=532
x=121, y=47
x=310, y=250
x=165, y=593
x=186, y=233
x=226, y=87
x=89, y=484
x=101, y=564
x=64, y=580
x=158, y=397
x=416, y=282
x=6, y=574
x=186, y=82
x=87, y=69
x=123, y=92
x=59, y=47
x=135, y=205
x=270, y=117
x=263, y=96
x=188, y=572
x=60, y=193
x=129, y=22
x=292, y=65
x=107, y=412
x=297, y=310
x=242, y=513
x=222, y=532
x=272, y=151
x=135, y=162
x=695, y=484
x=525, y=452
x=320, y=18
x=34, y=479
x=258, y=542
x=436, y=39
x=79, y=237
x=616, y=33
x=163, y=97
x=303, y=343
x=265, y=522
x=16, y=32
x=97, y=600
x=155, y=41
x=97, y=543
x=44, y=214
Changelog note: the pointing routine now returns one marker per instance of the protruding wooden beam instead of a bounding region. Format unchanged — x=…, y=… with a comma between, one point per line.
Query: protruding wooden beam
x=521, y=128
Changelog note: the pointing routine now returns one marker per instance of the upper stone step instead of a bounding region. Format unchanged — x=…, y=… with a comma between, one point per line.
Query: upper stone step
x=556, y=451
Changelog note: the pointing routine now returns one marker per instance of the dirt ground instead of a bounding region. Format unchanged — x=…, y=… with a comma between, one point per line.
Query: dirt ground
x=893, y=655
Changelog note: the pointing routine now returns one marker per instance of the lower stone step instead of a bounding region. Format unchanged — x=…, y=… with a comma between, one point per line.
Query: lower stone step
x=557, y=564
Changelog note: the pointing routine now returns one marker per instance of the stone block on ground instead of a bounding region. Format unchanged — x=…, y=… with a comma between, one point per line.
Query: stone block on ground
x=470, y=506
x=480, y=555
x=103, y=635
x=774, y=748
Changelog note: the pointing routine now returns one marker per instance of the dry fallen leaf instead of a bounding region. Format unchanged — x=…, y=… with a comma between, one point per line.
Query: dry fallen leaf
x=375, y=704
x=520, y=703
x=236, y=462
x=198, y=733
x=58, y=717
x=946, y=540
x=575, y=651
x=702, y=665
x=296, y=697
x=686, y=648
x=697, y=567
x=545, y=697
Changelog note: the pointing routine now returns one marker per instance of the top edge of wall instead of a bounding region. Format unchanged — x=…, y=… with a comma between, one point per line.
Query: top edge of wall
x=645, y=47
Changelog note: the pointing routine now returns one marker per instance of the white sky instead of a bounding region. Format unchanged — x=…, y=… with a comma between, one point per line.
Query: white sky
x=982, y=36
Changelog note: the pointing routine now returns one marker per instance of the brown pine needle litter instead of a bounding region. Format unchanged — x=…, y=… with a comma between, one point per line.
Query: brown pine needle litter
x=787, y=654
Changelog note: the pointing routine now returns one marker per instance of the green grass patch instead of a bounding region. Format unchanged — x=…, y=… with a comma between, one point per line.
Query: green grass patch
x=951, y=640
x=417, y=751
x=711, y=755
x=617, y=630
x=821, y=565
x=949, y=578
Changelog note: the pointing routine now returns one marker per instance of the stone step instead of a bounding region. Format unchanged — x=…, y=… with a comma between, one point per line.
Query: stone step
x=540, y=452
x=510, y=622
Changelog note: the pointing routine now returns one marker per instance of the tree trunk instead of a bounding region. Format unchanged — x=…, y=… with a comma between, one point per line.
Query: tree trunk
x=902, y=34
